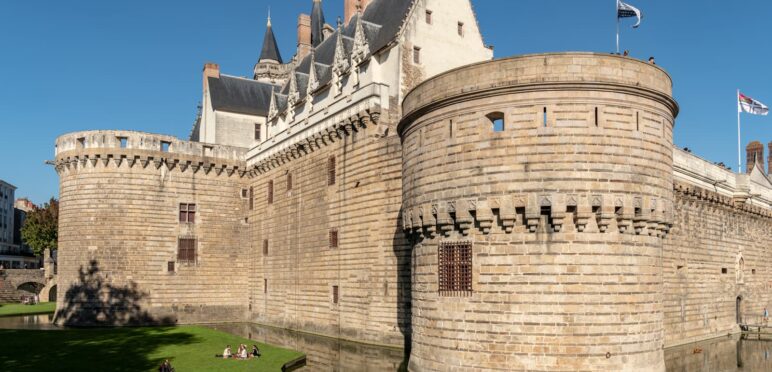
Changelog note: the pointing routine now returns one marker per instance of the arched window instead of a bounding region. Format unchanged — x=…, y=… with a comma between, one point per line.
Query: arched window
x=497, y=121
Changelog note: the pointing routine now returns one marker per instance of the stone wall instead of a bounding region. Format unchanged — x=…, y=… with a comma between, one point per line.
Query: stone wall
x=718, y=251
x=119, y=228
x=566, y=209
x=299, y=264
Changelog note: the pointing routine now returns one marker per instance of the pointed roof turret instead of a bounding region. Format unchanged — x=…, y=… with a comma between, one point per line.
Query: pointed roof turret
x=270, y=50
x=317, y=23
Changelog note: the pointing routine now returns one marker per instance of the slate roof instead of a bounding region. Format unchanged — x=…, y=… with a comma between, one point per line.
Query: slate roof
x=240, y=95
x=317, y=23
x=270, y=49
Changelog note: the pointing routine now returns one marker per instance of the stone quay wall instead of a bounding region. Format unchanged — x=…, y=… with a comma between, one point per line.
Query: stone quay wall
x=119, y=228
x=296, y=265
x=566, y=208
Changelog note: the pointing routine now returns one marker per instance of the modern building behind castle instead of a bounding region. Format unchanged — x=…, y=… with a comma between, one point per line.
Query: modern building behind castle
x=393, y=184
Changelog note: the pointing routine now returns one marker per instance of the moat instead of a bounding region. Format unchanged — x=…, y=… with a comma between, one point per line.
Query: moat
x=725, y=354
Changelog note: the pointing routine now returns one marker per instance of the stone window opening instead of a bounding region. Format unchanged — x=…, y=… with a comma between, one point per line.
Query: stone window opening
x=454, y=263
x=123, y=142
x=208, y=150
x=637, y=121
x=331, y=171
x=544, y=117
x=82, y=142
x=186, y=250
x=723, y=270
x=270, y=192
x=265, y=247
x=417, y=55
x=165, y=146
x=428, y=17
x=251, y=198
x=335, y=294
x=257, y=132
x=289, y=181
x=170, y=266
x=450, y=129
x=461, y=29
x=244, y=193
x=497, y=121
x=265, y=285
x=596, y=117
x=753, y=271
x=187, y=213
x=333, y=238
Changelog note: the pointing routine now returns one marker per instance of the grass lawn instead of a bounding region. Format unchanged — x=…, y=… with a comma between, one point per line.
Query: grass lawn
x=19, y=309
x=189, y=348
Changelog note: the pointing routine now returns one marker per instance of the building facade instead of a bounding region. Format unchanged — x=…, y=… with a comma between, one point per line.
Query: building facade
x=13, y=254
x=392, y=184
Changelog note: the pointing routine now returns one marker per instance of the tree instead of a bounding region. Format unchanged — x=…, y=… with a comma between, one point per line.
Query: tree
x=40, y=229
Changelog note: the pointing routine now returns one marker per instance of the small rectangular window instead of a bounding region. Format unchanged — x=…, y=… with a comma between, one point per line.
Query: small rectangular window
x=186, y=250
x=123, y=141
x=331, y=171
x=333, y=238
x=723, y=270
x=596, y=117
x=244, y=193
x=544, y=119
x=429, y=17
x=270, y=192
x=257, y=132
x=165, y=146
x=289, y=181
x=460, y=28
x=170, y=266
x=265, y=247
x=265, y=285
x=455, y=268
x=416, y=55
x=187, y=213
x=753, y=271
x=82, y=142
x=208, y=150
x=335, y=294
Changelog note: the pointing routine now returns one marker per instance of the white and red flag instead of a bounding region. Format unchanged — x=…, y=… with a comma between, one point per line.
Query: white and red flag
x=751, y=106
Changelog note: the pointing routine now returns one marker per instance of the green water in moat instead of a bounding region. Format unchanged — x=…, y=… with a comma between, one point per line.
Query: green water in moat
x=726, y=354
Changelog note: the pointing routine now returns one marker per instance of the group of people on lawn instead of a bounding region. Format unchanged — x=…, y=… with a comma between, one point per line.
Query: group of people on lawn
x=241, y=353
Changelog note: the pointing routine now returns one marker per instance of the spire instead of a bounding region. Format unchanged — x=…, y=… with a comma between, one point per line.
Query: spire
x=270, y=50
x=317, y=23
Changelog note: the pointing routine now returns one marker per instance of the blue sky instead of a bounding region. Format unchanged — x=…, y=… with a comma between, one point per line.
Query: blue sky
x=78, y=65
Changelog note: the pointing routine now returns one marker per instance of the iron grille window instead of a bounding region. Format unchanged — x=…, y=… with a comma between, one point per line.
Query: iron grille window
x=186, y=250
x=251, y=198
x=333, y=238
x=289, y=181
x=455, y=268
x=187, y=213
x=335, y=294
x=270, y=192
x=331, y=171
x=265, y=247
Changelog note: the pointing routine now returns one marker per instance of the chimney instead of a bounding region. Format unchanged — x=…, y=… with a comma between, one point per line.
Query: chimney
x=754, y=154
x=350, y=8
x=210, y=70
x=769, y=160
x=304, y=36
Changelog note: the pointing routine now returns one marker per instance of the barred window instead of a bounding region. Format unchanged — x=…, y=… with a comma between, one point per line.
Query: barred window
x=333, y=238
x=270, y=192
x=186, y=250
x=331, y=171
x=455, y=268
x=187, y=213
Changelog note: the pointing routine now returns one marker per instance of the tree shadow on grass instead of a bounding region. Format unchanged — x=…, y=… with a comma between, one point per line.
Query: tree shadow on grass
x=117, y=349
x=95, y=302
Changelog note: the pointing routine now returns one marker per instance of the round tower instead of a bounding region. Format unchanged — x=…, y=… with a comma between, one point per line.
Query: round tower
x=147, y=224
x=537, y=191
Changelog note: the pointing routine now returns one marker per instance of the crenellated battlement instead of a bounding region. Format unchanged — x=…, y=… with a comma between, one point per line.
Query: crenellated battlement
x=129, y=148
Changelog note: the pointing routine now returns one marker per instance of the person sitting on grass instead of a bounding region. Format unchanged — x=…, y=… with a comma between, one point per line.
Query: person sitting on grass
x=255, y=351
x=243, y=354
x=166, y=367
x=227, y=352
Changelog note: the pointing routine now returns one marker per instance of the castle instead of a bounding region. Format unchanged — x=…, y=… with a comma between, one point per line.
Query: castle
x=393, y=184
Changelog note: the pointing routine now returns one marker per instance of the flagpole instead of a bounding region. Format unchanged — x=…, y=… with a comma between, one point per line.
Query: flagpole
x=616, y=12
x=739, y=150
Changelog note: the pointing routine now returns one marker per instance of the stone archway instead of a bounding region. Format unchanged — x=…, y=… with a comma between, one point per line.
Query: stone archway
x=30, y=287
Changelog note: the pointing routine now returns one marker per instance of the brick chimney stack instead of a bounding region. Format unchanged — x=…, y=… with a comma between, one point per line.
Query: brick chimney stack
x=350, y=8
x=304, y=36
x=754, y=153
x=769, y=159
x=210, y=70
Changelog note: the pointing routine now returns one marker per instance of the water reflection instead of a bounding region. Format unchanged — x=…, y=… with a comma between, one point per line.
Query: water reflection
x=40, y=321
x=727, y=354
x=323, y=353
